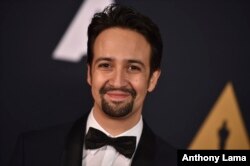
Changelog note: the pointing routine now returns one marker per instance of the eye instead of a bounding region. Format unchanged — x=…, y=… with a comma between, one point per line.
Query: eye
x=104, y=66
x=134, y=68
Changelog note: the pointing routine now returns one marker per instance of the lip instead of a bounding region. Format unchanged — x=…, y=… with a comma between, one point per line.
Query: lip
x=117, y=95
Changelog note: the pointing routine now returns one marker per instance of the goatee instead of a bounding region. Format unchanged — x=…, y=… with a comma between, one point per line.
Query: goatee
x=117, y=108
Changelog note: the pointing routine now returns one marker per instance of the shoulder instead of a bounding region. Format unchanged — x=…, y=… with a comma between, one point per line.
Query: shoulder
x=41, y=147
x=153, y=150
x=165, y=153
x=54, y=134
x=48, y=134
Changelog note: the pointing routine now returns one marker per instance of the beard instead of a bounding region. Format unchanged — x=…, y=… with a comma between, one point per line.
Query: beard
x=117, y=109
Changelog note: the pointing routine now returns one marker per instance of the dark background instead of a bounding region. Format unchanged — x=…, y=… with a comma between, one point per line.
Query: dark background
x=206, y=45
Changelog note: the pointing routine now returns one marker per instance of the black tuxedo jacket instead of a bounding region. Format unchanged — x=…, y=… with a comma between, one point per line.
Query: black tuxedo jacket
x=63, y=146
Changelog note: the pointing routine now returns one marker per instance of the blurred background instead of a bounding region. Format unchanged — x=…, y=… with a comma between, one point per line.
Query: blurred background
x=201, y=101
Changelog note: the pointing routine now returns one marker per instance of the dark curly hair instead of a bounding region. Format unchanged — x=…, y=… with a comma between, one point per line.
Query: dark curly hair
x=116, y=15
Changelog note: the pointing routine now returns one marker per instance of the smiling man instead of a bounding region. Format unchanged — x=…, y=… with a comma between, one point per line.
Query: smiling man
x=124, y=56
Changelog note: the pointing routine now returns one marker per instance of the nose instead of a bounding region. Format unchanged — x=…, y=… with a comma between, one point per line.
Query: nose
x=118, y=78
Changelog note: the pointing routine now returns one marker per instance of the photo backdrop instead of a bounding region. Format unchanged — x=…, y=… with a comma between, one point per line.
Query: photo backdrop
x=201, y=101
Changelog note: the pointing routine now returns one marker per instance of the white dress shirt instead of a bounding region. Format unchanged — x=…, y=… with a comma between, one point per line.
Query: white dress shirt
x=107, y=155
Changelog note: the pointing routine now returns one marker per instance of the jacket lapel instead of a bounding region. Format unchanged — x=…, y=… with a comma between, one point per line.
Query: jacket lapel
x=72, y=155
x=145, y=151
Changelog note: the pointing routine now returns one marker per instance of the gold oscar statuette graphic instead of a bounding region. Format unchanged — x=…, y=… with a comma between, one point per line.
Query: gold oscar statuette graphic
x=224, y=127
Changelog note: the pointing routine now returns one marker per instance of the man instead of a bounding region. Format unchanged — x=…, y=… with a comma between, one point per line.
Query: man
x=124, y=55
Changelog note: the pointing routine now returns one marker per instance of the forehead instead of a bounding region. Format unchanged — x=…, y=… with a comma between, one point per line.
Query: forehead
x=122, y=44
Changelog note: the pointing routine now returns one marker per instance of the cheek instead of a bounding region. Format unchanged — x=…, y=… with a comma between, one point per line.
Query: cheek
x=140, y=85
x=97, y=83
x=98, y=79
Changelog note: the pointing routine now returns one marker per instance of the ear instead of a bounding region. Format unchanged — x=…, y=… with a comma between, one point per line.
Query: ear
x=89, y=75
x=153, y=80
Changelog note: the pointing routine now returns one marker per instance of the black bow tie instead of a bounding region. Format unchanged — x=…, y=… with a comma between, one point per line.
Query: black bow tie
x=124, y=145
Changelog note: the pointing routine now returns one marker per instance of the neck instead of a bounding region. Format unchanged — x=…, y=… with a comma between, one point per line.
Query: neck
x=116, y=126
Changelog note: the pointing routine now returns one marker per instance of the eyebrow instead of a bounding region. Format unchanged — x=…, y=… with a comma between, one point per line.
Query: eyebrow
x=103, y=59
x=129, y=60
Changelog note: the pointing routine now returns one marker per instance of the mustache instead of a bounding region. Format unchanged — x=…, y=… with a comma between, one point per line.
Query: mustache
x=131, y=91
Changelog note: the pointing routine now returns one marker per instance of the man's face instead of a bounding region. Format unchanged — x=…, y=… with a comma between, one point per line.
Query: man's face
x=120, y=72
